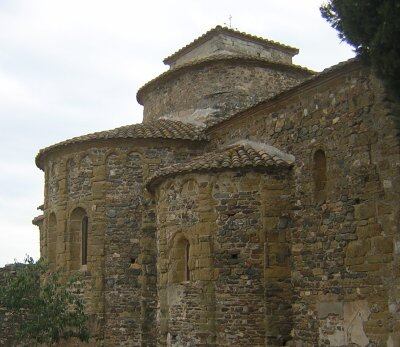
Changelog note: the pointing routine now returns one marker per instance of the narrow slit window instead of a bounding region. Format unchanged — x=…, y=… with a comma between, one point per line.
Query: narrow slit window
x=85, y=225
x=187, y=270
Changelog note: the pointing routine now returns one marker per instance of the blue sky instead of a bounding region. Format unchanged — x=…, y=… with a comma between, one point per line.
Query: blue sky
x=73, y=67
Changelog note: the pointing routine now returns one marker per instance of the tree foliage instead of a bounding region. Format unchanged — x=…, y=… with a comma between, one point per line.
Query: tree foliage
x=43, y=307
x=372, y=27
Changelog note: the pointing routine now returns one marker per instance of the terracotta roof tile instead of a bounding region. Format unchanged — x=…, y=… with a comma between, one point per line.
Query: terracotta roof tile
x=219, y=29
x=162, y=128
x=238, y=155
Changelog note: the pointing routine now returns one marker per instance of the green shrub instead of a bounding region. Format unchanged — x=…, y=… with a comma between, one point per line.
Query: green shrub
x=43, y=307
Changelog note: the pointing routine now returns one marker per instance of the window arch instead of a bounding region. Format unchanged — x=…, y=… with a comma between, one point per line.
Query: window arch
x=85, y=226
x=181, y=260
x=319, y=175
x=78, y=238
x=186, y=264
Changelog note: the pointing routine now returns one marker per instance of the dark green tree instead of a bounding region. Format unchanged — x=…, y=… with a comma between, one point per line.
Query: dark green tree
x=44, y=307
x=372, y=27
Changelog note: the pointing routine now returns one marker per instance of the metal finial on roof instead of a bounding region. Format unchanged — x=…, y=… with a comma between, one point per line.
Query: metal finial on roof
x=230, y=22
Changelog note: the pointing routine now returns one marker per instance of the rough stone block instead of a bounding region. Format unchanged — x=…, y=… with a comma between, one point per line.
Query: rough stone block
x=368, y=231
x=382, y=245
x=357, y=249
x=364, y=211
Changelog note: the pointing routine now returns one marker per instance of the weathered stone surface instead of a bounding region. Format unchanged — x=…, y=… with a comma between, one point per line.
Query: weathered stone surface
x=230, y=262
x=238, y=255
x=222, y=86
x=344, y=244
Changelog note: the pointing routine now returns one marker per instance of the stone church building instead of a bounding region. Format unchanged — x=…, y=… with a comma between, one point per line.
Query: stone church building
x=257, y=204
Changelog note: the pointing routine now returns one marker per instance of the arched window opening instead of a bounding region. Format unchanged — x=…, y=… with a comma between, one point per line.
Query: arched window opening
x=85, y=225
x=319, y=175
x=78, y=238
x=187, y=270
x=181, y=261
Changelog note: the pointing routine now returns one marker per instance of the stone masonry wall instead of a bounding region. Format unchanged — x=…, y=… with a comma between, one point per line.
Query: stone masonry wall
x=105, y=181
x=216, y=88
x=345, y=238
x=237, y=256
x=69, y=182
x=307, y=257
x=277, y=213
x=238, y=260
x=186, y=306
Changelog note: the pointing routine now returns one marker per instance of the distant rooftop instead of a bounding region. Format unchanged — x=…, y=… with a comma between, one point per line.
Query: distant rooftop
x=223, y=40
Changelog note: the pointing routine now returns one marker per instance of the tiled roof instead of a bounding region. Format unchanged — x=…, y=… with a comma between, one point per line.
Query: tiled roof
x=324, y=73
x=217, y=58
x=162, y=128
x=219, y=29
x=241, y=154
